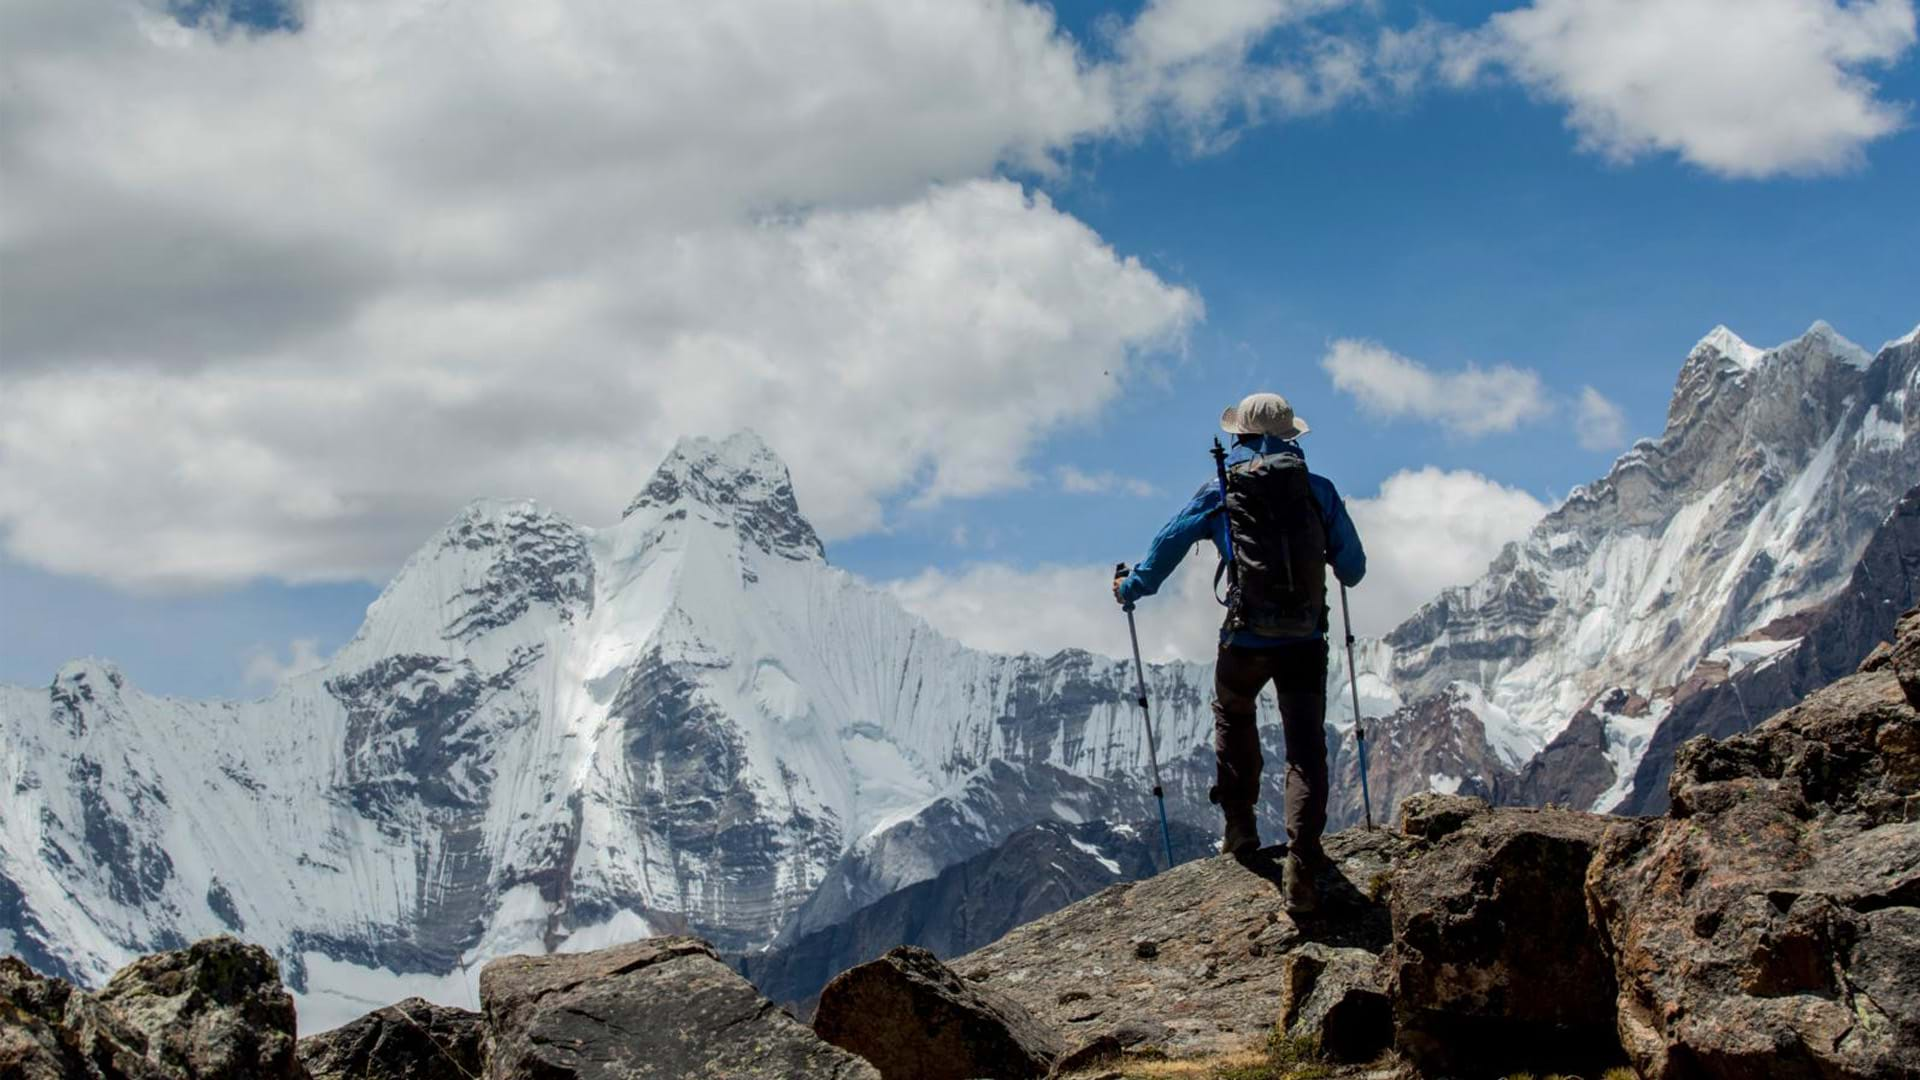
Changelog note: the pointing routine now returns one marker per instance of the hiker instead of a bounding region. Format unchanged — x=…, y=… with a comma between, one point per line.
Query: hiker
x=1286, y=525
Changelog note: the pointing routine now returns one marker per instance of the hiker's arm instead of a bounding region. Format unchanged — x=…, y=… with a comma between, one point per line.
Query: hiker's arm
x=1187, y=528
x=1344, y=552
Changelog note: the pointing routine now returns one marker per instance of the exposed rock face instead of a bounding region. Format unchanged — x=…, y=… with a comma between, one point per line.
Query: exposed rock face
x=1438, y=741
x=1771, y=926
x=1192, y=961
x=1904, y=658
x=412, y=1040
x=1494, y=965
x=914, y=1019
x=1833, y=640
x=215, y=1010
x=1573, y=770
x=1038, y=870
x=664, y=1007
x=1774, y=470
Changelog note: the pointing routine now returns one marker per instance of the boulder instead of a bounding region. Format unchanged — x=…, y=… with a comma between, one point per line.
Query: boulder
x=213, y=1009
x=1494, y=967
x=413, y=1040
x=1220, y=940
x=1433, y=815
x=1338, y=999
x=1771, y=926
x=51, y=1031
x=660, y=1008
x=914, y=1019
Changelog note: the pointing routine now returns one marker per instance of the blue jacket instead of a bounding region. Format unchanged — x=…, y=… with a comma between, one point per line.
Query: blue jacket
x=1201, y=518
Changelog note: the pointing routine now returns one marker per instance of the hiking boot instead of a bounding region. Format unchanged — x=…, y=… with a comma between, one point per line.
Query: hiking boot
x=1296, y=885
x=1243, y=832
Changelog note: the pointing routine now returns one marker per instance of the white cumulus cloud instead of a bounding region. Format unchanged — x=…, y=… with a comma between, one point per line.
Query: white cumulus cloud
x=1741, y=88
x=1468, y=403
x=1429, y=529
x=278, y=303
x=923, y=347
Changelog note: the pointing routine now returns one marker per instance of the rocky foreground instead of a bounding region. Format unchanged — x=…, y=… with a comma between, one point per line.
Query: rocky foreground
x=1767, y=926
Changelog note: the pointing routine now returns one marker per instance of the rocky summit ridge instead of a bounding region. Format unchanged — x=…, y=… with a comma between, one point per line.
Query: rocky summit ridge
x=552, y=737
x=1767, y=926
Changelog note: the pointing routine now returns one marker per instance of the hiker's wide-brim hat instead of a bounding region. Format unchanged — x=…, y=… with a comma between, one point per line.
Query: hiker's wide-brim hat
x=1263, y=414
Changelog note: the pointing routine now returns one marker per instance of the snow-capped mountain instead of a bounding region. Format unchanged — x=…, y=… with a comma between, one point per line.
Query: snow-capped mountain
x=1775, y=469
x=548, y=736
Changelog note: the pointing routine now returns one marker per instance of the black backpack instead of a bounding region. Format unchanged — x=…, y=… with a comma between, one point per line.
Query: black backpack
x=1277, y=584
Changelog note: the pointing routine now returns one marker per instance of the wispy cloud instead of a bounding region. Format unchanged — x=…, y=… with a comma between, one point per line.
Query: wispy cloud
x=1080, y=482
x=1012, y=608
x=1599, y=423
x=265, y=669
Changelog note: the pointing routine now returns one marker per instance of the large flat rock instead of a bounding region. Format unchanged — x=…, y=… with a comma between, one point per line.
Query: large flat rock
x=1192, y=961
x=657, y=1009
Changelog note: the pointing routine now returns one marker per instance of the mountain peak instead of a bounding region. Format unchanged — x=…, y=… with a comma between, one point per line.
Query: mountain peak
x=741, y=479
x=1729, y=345
x=89, y=670
x=1821, y=331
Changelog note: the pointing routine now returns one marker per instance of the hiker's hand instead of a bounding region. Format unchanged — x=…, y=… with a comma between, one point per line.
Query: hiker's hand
x=1119, y=580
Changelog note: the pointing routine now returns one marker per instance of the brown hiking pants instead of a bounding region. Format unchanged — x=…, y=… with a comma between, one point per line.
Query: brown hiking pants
x=1299, y=677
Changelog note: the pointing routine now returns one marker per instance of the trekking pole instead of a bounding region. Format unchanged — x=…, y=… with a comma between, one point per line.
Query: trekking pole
x=1226, y=552
x=1140, y=684
x=1359, y=727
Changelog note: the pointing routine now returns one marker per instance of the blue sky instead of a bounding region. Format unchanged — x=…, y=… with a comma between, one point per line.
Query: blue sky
x=1459, y=222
